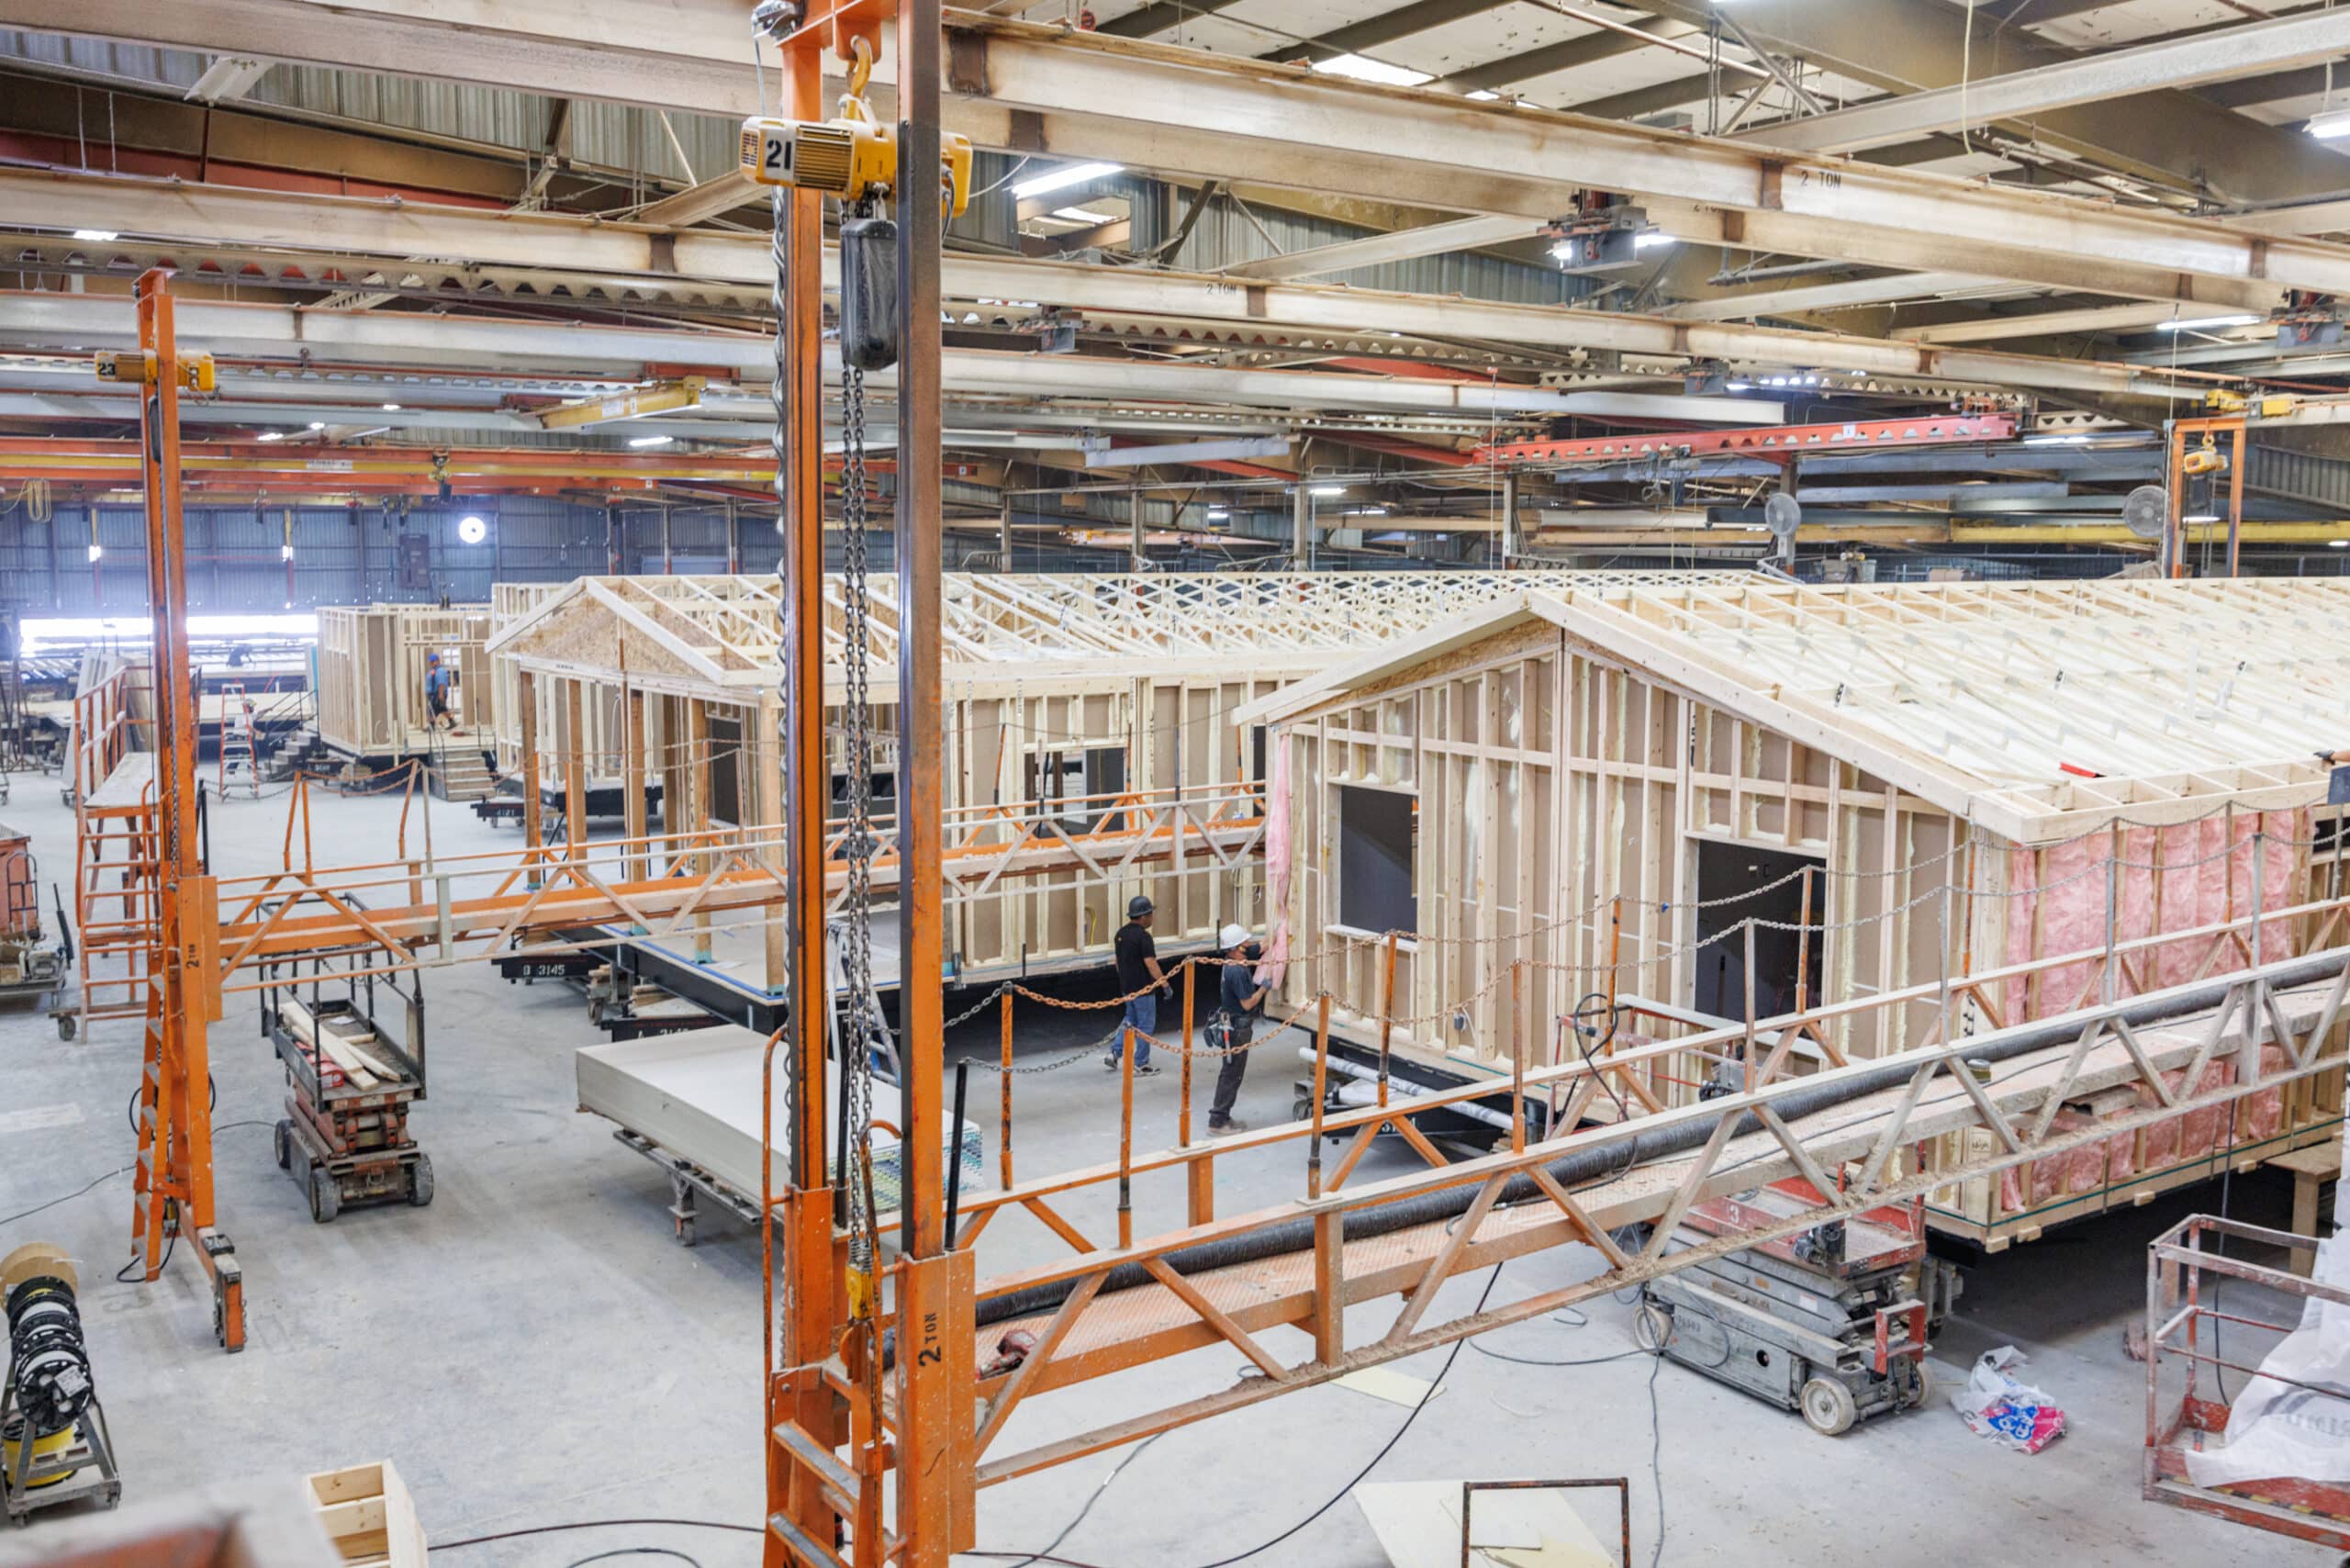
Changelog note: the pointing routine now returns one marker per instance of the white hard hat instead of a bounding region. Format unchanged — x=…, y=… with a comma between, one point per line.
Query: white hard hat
x=1232, y=935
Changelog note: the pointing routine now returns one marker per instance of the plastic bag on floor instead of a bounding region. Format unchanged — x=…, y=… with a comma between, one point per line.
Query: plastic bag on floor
x=1995, y=1404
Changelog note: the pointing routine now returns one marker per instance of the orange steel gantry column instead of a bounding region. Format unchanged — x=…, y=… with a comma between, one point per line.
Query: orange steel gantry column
x=825, y=1510
x=806, y=1418
x=174, y=1179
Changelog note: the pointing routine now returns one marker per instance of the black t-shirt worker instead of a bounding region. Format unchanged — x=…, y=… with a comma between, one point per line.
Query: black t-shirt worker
x=1240, y=1003
x=1141, y=982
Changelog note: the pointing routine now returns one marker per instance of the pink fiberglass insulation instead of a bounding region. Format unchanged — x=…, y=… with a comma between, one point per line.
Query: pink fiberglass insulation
x=2205, y=877
x=2203, y=881
x=2073, y=1173
x=1276, y=867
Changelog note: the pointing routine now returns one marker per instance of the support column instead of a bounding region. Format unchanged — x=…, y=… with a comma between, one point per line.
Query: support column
x=1136, y=559
x=762, y=740
x=632, y=815
x=526, y=686
x=1300, y=527
x=935, y=1405
x=806, y=1335
x=1513, y=541
x=695, y=804
x=575, y=773
x=1004, y=537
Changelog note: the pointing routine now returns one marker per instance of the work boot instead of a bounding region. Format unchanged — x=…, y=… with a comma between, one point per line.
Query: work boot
x=1226, y=1127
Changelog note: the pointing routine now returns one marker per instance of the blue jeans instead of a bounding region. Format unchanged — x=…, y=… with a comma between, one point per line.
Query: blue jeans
x=1142, y=1012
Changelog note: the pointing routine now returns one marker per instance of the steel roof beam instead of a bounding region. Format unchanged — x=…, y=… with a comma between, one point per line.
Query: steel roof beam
x=1041, y=90
x=2247, y=50
x=203, y=213
x=1912, y=45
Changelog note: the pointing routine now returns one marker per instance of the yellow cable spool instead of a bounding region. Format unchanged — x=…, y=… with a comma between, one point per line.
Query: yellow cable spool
x=12, y=1440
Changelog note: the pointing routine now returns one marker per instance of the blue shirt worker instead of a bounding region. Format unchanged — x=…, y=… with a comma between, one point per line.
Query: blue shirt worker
x=1241, y=1003
x=436, y=694
x=1141, y=982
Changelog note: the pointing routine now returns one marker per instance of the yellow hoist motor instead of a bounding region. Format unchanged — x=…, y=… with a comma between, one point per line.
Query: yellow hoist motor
x=852, y=156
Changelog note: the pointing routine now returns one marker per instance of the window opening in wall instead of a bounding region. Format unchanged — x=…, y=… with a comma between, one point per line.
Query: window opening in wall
x=1379, y=834
x=1060, y=782
x=1731, y=872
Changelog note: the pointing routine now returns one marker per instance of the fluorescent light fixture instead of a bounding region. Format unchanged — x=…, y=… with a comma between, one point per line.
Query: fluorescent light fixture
x=97, y=550
x=2201, y=323
x=97, y=236
x=1061, y=179
x=2201, y=516
x=2055, y=440
x=2338, y=543
x=270, y=435
x=286, y=552
x=43, y=635
x=1327, y=490
x=2324, y=127
x=318, y=424
x=1650, y=238
x=1737, y=387
x=1485, y=96
x=472, y=530
x=1217, y=514
x=1365, y=69
x=1080, y=215
x=391, y=407
x=651, y=440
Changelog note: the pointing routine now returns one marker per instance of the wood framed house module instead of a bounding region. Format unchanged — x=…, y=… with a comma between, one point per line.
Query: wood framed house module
x=372, y=663
x=1656, y=809
x=1090, y=751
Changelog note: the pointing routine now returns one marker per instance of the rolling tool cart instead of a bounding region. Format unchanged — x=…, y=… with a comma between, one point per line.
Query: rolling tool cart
x=1831, y=1322
x=30, y=964
x=346, y=1136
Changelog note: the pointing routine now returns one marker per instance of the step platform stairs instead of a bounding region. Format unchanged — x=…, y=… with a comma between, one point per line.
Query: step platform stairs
x=459, y=773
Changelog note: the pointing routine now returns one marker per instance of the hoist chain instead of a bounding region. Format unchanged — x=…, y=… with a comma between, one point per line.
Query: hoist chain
x=858, y=840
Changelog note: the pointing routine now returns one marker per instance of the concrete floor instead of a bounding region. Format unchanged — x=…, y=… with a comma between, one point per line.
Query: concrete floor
x=534, y=1349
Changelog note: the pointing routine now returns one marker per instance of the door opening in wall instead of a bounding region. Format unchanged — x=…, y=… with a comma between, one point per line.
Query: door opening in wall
x=1768, y=886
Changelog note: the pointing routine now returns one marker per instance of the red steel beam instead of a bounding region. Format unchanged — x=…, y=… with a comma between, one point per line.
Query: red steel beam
x=1772, y=442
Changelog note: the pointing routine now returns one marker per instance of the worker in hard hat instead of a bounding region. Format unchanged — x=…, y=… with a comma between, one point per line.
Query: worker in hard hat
x=1241, y=1003
x=436, y=694
x=1141, y=982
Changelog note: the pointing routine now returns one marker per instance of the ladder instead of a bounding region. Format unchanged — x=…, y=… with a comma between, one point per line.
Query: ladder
x=236, y=739
x=117, y=892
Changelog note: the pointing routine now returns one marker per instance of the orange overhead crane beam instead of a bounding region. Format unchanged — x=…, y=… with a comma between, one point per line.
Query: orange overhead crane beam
x=242, y=467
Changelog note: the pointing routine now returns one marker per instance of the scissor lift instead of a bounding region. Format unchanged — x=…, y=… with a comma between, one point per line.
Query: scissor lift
x=346, y=1136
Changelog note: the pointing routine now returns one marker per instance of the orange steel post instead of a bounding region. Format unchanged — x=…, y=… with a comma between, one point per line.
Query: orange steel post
x=799, y=1401
x=1004, y=1078
x=1516, y=1057
x=1321, y=1086
x=1386, y=1013
x=1127, y=1139
x=175, y=1166
x=937, y=1402
x=2235, y=498
x=1183, y=1100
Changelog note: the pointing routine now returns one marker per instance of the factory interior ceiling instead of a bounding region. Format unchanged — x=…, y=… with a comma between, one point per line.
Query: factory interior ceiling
x=1236, y=273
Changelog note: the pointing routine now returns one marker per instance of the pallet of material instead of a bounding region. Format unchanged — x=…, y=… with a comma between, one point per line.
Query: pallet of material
x=369, y=1515
x=696, y=1096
